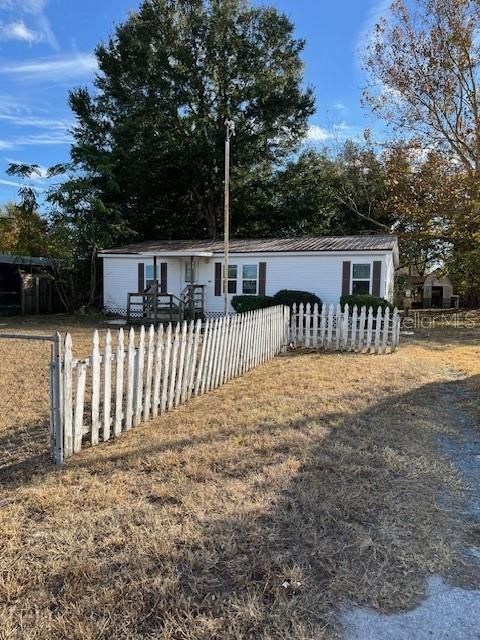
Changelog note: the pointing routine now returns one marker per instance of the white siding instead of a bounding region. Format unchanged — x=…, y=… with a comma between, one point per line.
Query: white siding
x=120, y=277
x=320, y=274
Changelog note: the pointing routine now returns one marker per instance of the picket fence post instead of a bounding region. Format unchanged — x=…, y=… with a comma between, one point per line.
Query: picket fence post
x=293, y=324
x=361, y=329
x=173, y=367
x=120, y=360
x=395, y=329
x=344, y=338
x=107, y=385
x=166, y=369
x=286, y=338
x=322, y=325
x=209, y=355
x=353, y=336
x=307, y=324
x=194, y=360
x=329, y=327
x=56, y=399
x=378, y=329
x=181, y=364
x=147, y=403
x=79, y=406
x=386, y=328
x=201, y=371
x=157, y=376
x=68, y=397
x=95, y=389
x=130, y=379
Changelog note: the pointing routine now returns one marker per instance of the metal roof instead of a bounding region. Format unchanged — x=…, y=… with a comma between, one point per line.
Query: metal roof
x=26, y=261
x=270, y=245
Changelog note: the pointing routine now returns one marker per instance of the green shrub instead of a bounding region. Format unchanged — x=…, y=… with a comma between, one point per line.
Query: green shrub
x=365, y=301
x=242, y=304
x=288, y=298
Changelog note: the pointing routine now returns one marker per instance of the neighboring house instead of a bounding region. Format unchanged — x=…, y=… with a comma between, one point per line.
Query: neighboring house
x=328, y=267
x=434, y=290
x=26, y=285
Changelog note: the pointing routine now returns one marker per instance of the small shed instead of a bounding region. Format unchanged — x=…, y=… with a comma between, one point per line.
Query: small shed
x=26, y=285
x=437, y=291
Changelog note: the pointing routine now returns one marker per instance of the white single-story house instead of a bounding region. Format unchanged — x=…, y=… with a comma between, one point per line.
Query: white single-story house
x=326, y=266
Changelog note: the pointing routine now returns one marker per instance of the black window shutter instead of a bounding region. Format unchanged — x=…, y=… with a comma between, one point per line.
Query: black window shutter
x=262, y=278
x=377, y=273
x=346, y=278
x=163, y=277
x=218, y=278
x=141, y=277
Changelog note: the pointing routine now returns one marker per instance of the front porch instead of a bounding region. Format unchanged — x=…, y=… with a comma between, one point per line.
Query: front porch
x=155, y=306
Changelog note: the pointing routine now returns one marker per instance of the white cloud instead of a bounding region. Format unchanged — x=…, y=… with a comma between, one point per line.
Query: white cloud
x=39, y=139
x=337, y=132
x=57, y=68
x=342, y=126
x=16, y=29
x=19, y=31
x=28, y=6
x=317, y=134
x=339, y=106
x=11, y=105
x=36, y=122
x=59, y=137
x=19, y=185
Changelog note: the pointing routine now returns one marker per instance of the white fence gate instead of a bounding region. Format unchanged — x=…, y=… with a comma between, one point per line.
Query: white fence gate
x=333, y=329
x=132, y=381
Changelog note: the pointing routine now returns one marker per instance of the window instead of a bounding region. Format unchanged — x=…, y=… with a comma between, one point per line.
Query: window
x=360, y=279
x=149, y=278
x=249, y=279
x=232, y=278
x=188, y=272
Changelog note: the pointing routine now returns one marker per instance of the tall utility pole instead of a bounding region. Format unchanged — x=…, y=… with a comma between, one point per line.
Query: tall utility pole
x=229, y=132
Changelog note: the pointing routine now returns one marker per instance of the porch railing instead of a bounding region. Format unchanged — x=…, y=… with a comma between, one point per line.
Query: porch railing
x=154, y=306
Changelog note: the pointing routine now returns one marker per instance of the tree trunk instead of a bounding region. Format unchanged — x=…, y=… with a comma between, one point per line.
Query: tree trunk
x=93, y=279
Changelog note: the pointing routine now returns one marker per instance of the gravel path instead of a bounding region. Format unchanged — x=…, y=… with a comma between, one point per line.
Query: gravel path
x=449, y=612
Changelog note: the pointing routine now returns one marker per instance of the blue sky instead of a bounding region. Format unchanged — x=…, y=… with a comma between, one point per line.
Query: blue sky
x=46, y=48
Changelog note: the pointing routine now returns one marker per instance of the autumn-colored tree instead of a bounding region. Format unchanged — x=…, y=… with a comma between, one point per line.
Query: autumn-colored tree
x=424, y=71
x=423, y=61
x=421, y=190
x=22, y=231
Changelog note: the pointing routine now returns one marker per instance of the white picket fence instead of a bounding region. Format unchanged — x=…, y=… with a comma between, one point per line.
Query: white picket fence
x=333, y=329
x=140, y=377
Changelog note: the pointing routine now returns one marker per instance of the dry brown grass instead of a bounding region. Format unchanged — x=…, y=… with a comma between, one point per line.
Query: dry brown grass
x=320, y=470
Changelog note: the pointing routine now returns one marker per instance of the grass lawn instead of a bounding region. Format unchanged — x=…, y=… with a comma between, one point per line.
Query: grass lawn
x=253, y=512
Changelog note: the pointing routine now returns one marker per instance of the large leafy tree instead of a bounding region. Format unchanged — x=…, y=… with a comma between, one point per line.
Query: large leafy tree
x=320, y=193
x=359, y=189
x=149, y=139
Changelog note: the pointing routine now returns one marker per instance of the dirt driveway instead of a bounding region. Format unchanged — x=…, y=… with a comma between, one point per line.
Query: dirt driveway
x=315, y=484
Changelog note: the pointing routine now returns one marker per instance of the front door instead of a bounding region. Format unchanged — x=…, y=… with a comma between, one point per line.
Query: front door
x=437, y=297
x=187, y=272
